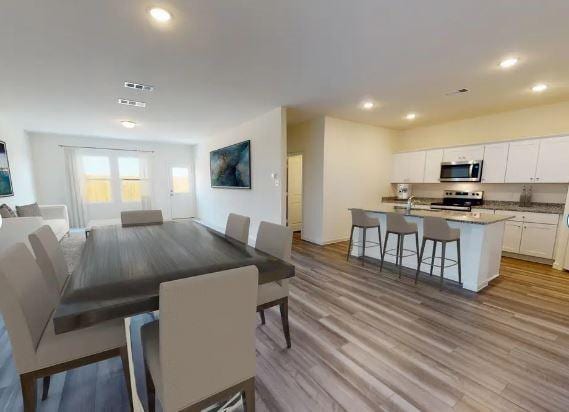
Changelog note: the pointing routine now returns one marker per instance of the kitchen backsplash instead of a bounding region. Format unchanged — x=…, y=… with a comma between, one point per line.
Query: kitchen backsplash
x=545, y=193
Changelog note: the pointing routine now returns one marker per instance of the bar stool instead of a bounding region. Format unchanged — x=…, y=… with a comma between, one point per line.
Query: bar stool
x=397, y=225
x=361, y=220
x=436, y=229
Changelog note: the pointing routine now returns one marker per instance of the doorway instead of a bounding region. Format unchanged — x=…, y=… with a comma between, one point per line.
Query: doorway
x=180, y=192
x=294, y=192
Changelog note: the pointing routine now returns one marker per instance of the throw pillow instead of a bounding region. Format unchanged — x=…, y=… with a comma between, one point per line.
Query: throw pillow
x=6, y=211
x=28, y=210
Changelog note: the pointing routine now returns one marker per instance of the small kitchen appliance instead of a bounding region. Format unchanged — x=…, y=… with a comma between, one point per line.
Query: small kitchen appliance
x=457, y=200
x=403, y=191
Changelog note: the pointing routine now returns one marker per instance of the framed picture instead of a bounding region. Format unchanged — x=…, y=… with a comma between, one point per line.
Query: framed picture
x=230, y=167
x=6, y=188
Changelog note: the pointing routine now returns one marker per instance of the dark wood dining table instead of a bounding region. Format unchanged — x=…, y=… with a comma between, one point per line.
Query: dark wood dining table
x=121, y=268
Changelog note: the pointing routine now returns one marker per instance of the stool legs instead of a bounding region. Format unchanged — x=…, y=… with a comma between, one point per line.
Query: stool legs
x=420, y=259
x=459, y=262
x=444, y=244
x=433, y=257
x=350, y=244
x=379, y=241
x=400, y=239
x=364, y=247
x=384, y=249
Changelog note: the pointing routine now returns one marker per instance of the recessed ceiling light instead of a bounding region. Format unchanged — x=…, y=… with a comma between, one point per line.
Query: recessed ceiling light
x=411, y=116
x=368, y=105
x=510, y=62
x=160, y=15
x=538, y=88
x=128, y=124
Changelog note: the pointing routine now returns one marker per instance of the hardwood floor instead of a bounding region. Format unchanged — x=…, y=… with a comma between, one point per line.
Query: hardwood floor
x=365, y=341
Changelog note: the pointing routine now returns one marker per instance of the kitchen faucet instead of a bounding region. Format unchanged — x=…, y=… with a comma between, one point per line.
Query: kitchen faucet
x=410, y=202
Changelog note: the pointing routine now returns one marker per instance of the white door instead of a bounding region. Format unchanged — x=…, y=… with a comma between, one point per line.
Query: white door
x=552, y=163
x=433, y=160
x=494, y=166
x=181, y=203
x=294, y=197
x=465, y=153
x=522, y=161
x=538, y=240
x=512, y=237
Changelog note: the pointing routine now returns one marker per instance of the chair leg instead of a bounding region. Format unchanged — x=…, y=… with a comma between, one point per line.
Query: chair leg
x=433, y=257
x=420, y=260
x=459, y=262
x=150, y=390
x=400, y=241
x=444, y=245
x=417, y=248
x=249, y=398
x=28, y=384
x=384, y=249
x=364, y=247
x=284, y=317
x=262, y=314
x=45, y=389
x=349, y=246
x=379, y=240
x=126, y=372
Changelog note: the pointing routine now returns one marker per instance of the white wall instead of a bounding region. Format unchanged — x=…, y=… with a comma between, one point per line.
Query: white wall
x=50, y=179
x=265, y=201
x=20, y=159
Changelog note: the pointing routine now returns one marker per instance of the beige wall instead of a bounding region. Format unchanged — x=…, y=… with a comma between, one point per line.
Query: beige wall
x=548, y=120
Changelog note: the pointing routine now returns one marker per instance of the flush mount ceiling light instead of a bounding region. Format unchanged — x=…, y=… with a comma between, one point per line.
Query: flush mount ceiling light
x=538, y=88
x=128, y=124
x=160, y=15
x=367, y=105
x=509, y=62
x=410, y=116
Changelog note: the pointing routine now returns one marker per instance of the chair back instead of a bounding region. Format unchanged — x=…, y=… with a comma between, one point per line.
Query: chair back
x=276, y=240
x=360, y=218
x=141, y=217
x=396, y=223
x=49, y=257
x=237, y=227
x=436, y=228
x=26, y=303
x=207, y=335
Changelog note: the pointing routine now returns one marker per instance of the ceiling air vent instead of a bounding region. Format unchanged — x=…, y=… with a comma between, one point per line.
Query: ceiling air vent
x=138, y=86
x=133, y=103
x=459, y=91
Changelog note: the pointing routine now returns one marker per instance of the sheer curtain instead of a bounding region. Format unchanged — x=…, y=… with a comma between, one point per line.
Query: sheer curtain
x=73, y=170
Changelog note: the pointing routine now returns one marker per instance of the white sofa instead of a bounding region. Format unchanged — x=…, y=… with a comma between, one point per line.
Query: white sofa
x=17, y=229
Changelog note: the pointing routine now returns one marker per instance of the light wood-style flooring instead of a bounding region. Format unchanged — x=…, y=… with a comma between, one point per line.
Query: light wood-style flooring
x=365, y=341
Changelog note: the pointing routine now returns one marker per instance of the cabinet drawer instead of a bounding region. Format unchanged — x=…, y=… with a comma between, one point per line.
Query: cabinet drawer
x=547, y=218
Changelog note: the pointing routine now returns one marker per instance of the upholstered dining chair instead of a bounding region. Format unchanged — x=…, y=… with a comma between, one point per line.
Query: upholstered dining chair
x=202, y=350
x=237, y=227
x=49, y=257
x=27, y=305
x=141, y=217
x=276, y=240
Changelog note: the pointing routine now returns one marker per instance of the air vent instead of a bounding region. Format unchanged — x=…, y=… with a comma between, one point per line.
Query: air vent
x=459, y=91
x=133, y=103
x=138, y=86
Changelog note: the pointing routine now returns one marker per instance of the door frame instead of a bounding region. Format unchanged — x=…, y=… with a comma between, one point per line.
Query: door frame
x=301, y=154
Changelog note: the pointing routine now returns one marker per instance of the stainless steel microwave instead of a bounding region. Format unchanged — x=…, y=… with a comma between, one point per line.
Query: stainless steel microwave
x=467, y=171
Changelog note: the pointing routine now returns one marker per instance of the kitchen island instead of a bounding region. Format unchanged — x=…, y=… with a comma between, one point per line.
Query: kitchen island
x=481, y=237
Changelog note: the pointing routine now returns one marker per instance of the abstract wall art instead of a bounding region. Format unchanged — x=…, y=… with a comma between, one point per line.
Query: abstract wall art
x=230, y=167
x=6, y=188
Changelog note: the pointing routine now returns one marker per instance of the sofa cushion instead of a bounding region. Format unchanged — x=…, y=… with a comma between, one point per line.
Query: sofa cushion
x=28, y=210
x=6, y=211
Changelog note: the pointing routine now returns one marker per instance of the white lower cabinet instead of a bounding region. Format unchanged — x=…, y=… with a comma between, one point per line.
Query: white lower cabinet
x=512, y=237
x=538, y=240
x=531, y=234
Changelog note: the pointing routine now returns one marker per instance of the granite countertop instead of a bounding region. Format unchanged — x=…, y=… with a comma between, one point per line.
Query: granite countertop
x=452, y=216
x=552, y=208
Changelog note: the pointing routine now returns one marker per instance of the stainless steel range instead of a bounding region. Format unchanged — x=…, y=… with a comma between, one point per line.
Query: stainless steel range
x=456, y=200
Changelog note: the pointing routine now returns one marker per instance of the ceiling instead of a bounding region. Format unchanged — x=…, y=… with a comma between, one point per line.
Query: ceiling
x=218, y=62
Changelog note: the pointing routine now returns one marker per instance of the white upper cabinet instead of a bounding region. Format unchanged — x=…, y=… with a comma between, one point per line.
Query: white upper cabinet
x=465, y=153
x=494, y=166
x=522, y=161
x=553, y=161
x=433, y=160
x=408, y=167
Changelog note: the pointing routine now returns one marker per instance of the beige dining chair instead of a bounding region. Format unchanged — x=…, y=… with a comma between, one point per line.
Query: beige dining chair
x=49, y=257
x=276, y=240
x=28, y=306
x=202, y=350
x=141, y=217
x=237, y=227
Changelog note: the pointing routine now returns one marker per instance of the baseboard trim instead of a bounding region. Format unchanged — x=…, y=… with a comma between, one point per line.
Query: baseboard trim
x=529, y=258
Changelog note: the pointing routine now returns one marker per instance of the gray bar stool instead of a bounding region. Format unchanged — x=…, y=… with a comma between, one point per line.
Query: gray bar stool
x=436, y=229
x=397, y=225
x=361, y=220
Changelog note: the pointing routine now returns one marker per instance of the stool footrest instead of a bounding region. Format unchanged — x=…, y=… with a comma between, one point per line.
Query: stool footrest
x=412, y=252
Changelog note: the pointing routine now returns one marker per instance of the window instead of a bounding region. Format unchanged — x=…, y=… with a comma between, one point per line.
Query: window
x=180, y=180
x=129, y=174
x=97, y=172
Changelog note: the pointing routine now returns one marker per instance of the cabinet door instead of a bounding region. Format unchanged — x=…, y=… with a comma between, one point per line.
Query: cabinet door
x=408, y=167
x=398, y=168
x=538, y=240
x=552, y=162
x=522, y=161
x=433, y=159
x=512, y=237
x=461, y=154
x=495, y=160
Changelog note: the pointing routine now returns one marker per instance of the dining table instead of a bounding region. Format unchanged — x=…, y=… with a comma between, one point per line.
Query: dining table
x=121, y=268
